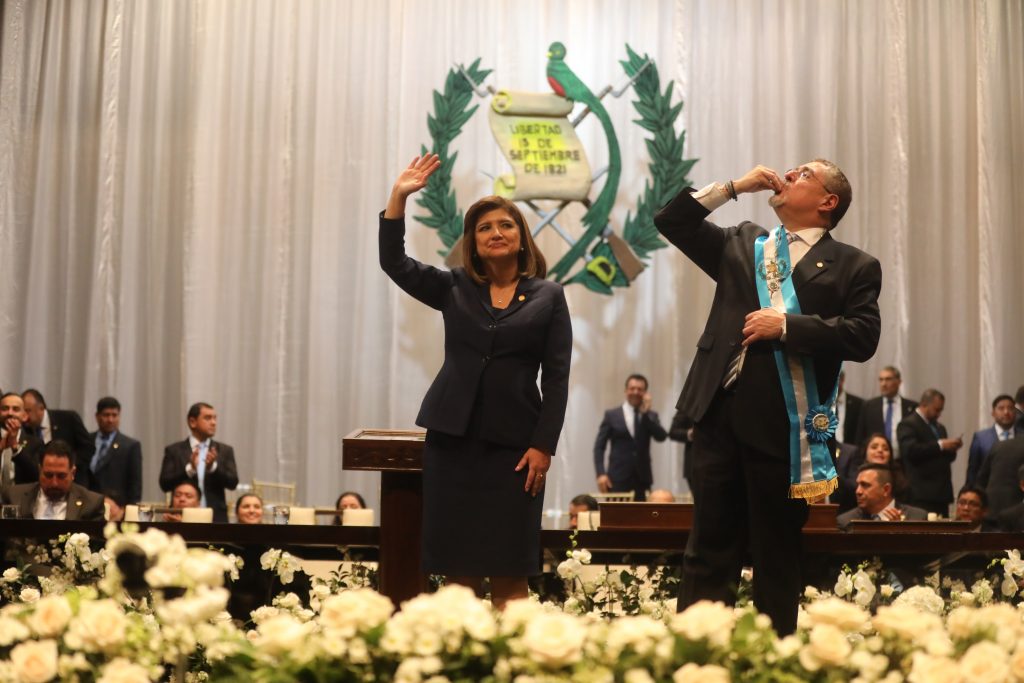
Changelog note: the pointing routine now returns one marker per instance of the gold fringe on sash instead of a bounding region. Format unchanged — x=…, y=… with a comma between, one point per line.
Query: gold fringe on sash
x=813, y=489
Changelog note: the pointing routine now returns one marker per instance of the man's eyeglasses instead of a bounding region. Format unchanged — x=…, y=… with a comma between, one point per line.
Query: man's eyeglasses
x=808, y=174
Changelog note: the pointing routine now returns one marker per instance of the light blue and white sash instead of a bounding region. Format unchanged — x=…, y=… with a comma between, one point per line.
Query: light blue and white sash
x=811, y=472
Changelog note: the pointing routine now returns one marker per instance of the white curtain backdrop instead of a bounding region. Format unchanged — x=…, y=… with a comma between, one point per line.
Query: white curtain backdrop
x=189, y=194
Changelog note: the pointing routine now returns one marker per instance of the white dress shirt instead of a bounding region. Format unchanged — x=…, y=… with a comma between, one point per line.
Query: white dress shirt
x=47, y=509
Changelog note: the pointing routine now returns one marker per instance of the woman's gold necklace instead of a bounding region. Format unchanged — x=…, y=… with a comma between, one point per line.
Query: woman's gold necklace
x=500, y=294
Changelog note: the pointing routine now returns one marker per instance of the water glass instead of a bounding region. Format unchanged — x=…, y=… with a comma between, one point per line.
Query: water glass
x=9, y=511
x=145, y=513
x=281, y=514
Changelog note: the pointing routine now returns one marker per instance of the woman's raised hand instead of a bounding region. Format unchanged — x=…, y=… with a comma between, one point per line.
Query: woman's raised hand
x=412, y=179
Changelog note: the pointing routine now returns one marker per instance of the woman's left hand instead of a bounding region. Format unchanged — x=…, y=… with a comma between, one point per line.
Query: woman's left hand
x=539, y=463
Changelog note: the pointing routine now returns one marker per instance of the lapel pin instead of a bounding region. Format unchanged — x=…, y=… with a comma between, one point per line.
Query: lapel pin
x=115, y=445
x=522, y=297
x=78, y=503
x=820, y=264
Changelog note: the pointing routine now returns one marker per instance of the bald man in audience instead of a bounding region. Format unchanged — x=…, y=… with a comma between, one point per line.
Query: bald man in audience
x=928, y=454
x=875, y=499
x=661, y=496
x=64, y=425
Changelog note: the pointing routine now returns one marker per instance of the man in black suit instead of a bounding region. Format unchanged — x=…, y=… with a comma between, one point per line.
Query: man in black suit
x=55, y=495
x=629, y=428
x=681, y=430
x=19, y=450
x=882, y=414
x=848, y=409
x=999, y=477
x=208, y=464
x=744, y=436
x=116, y=466
x=875, y=500
x=928, y=454
x=65, y=425
x=1019, y=401
x=1011, y=519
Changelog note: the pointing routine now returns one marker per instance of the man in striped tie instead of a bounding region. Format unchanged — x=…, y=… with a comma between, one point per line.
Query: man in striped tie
x=790, y=305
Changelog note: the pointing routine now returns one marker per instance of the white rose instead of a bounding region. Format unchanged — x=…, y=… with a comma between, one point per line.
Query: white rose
x=985, y=662
x=35, y=661
x=121, y=670
x=705, y=619
x=287, y=601
x=637, y=676
x=28, y=595
x=905, y=622
x=554, y=640
x=694, y=673
x=282, y=634
x=886, y=591
x=929, y=669
x=99, y=626
x=11, y=574
x=1005, y=621
x=827, y=645
x=811, y=593
x=838, y=613
x=923, y=598
x=50, y=616
x=520, y=612
x=1017, y=663
x=11, y=631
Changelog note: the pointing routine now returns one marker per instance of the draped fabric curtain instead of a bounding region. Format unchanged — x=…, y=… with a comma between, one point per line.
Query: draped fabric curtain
x=189, y=194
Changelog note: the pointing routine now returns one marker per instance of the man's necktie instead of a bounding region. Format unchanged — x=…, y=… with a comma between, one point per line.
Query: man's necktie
x=101, y=456
x=6, y=468
x=1005, y=435
x=888, y=419
x=201, y=472
x=935, y=430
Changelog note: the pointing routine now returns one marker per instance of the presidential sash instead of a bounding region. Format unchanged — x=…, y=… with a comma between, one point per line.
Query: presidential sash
x=811, y=472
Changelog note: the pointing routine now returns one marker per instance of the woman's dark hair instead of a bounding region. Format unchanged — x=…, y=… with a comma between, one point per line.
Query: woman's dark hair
x=867, y=442
x=531, y=260
x=362, y=503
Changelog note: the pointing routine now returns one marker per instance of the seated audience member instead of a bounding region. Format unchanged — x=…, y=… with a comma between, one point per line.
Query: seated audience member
x=928, y=454
x=661, y=496
x=208, y=464
x=581, y=503
x=116, y=464
x=875, y=449
x=115, y=504
x=19, y=449
x=971, y=506
x=59, y=425
x=186, y=495
x=1012, y=518
x=1003, y=414
x=875, y=500
x=350, y=500
x=249, y=509
x=55, y=495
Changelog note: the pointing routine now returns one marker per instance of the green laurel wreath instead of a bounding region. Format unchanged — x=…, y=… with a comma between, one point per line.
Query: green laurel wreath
x=451, y=111
x=668, y=167
x=657, y=114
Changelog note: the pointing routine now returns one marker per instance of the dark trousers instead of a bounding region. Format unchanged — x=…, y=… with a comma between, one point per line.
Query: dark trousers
x=742, y=509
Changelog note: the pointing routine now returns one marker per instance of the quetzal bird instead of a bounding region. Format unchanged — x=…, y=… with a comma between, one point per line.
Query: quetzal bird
x=565, y=83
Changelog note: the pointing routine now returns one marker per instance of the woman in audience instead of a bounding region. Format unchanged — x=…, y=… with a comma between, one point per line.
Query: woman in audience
x=249, y=509
x=350, y=500
x=876, y=449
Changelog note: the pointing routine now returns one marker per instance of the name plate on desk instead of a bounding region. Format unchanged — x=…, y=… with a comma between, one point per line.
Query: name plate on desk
x=646, y=516
x=383, y=450
x=906, y=526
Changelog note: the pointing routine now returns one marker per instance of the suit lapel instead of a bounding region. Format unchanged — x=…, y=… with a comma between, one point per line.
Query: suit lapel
x=815, y=262
x=28, y=502
x=74, y=504
x=524, y=293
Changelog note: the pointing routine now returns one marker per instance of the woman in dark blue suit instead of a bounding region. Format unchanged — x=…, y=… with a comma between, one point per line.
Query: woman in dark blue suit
x=490, y=431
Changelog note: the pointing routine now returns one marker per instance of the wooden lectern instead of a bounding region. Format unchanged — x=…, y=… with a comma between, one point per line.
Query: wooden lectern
x=398, y=455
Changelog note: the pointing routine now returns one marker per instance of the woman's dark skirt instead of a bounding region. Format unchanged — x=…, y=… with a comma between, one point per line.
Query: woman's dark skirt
x=477, y=519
